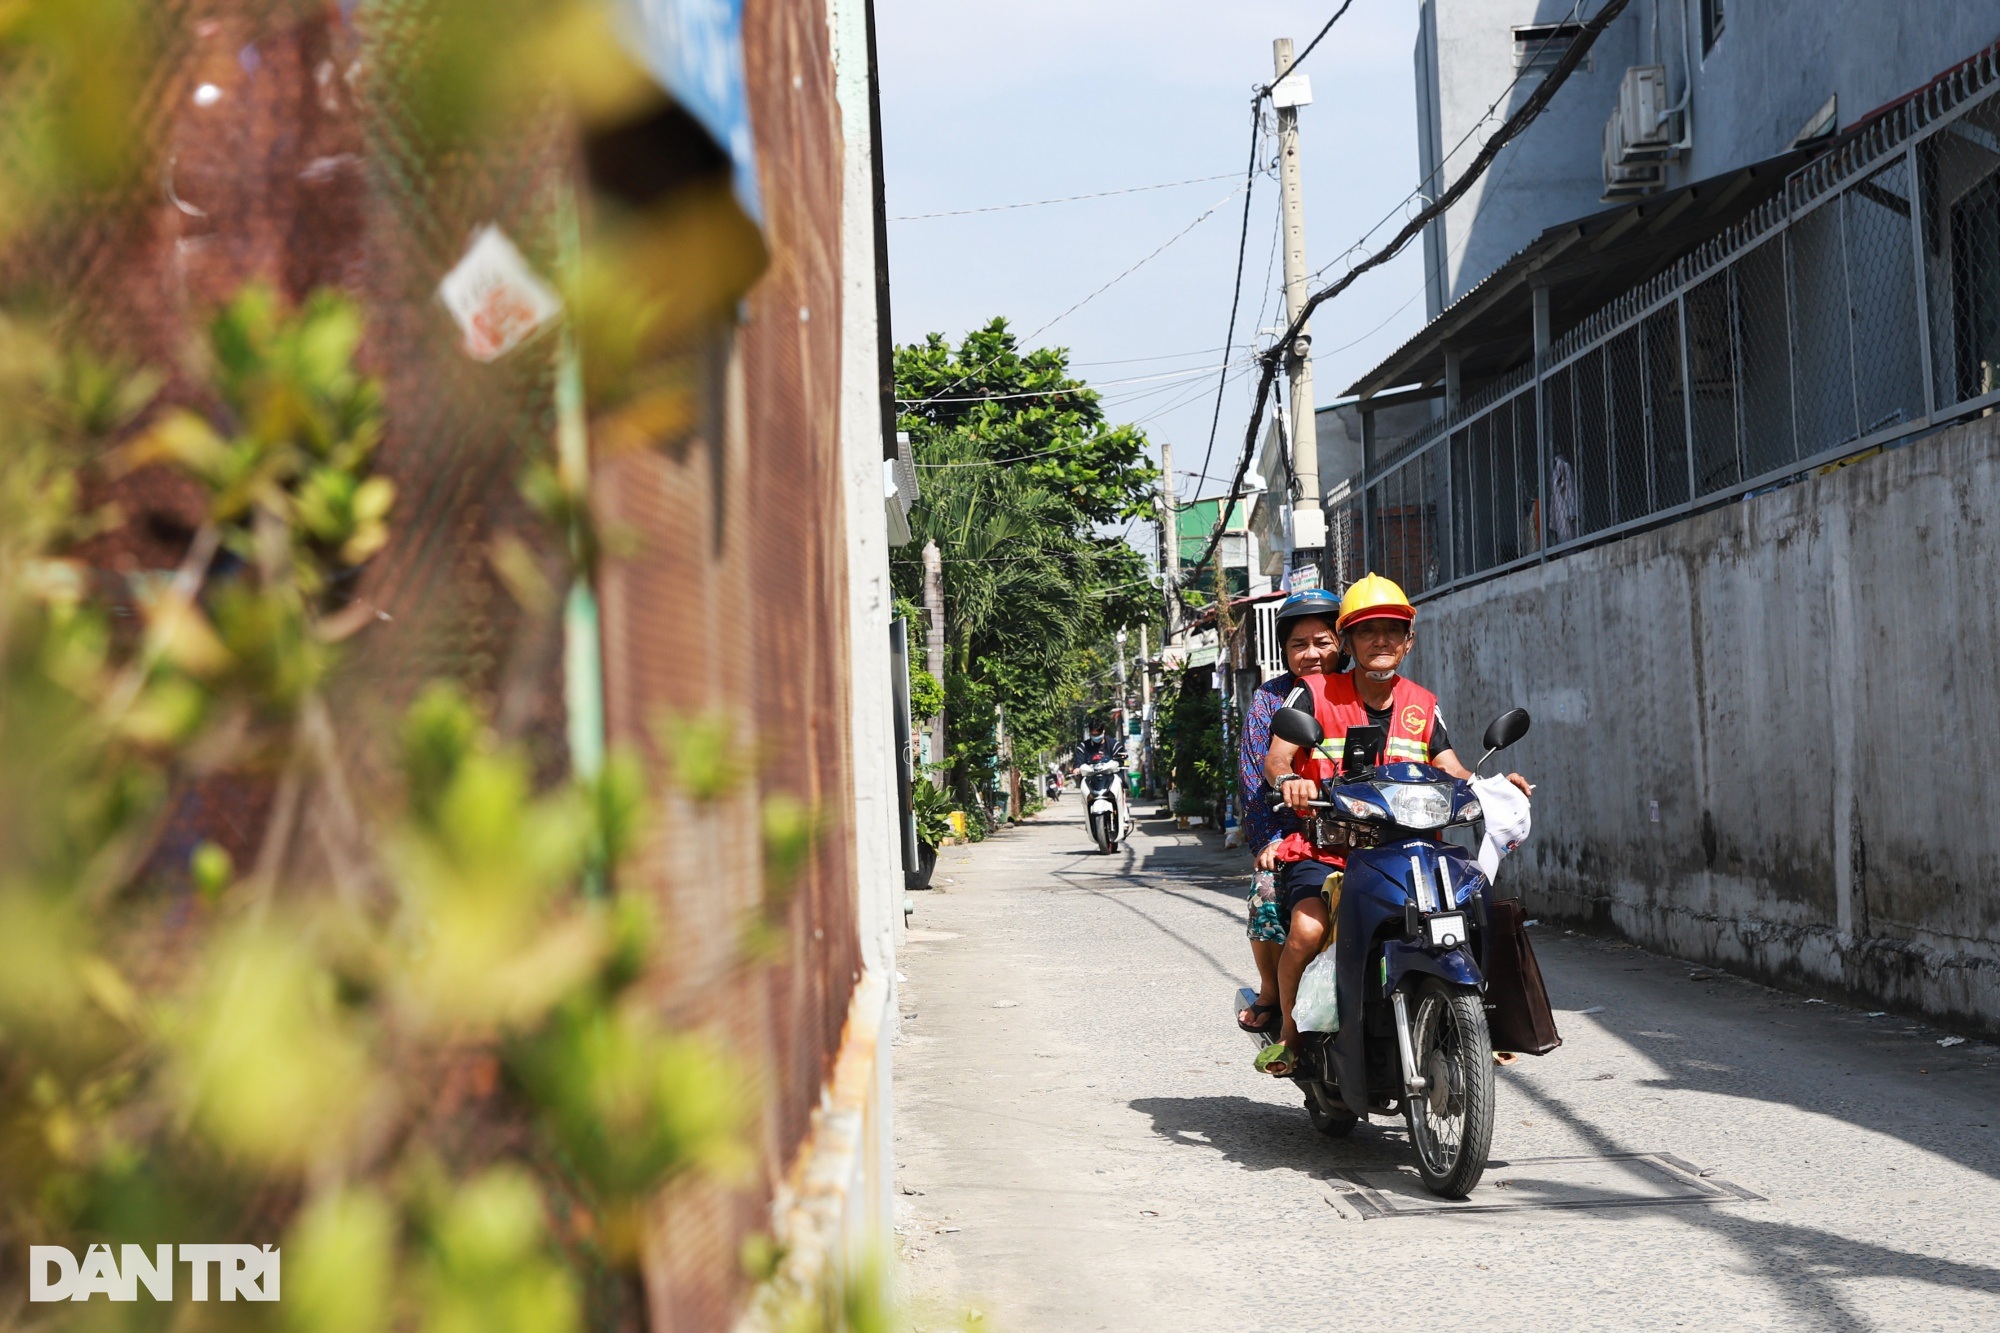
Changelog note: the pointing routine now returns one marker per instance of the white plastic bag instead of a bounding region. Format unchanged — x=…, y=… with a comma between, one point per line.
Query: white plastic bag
x=1507, y=821
x=1316, y=1008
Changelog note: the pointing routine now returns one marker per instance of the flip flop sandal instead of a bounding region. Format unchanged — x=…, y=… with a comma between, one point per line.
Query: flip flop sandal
x=1278, y=1060
x=1267, y=1019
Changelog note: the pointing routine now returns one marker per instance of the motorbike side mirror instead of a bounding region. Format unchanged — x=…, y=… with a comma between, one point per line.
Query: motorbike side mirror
x=1297, y=726
x=1507, y=728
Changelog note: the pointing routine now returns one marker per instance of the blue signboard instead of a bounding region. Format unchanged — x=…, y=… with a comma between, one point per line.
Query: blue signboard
x=695, y=49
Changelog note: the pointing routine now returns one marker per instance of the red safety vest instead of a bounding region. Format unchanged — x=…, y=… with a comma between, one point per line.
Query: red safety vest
x=1337, y=706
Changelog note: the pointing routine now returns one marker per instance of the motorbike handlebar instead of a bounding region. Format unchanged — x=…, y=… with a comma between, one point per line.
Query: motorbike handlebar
x=1278, y=798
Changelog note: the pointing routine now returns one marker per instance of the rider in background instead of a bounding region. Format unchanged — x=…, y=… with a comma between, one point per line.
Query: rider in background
x=1097, y=747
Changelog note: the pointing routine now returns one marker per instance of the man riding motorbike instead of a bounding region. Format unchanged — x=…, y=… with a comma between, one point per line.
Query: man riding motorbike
x=1096, y=746
x=1375, y=628
x=1100, y=763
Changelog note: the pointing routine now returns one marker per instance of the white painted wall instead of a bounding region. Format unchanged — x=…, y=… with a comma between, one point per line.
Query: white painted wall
x=875, y=814
x=1804, y=682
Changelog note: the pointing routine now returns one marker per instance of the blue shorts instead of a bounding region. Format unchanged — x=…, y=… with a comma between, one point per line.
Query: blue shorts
x=1299, y=881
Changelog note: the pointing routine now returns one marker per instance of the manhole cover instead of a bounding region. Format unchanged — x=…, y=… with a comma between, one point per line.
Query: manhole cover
x=1608, y=1180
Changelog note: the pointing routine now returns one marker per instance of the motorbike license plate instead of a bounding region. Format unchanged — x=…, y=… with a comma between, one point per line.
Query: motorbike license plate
x=1446, y=929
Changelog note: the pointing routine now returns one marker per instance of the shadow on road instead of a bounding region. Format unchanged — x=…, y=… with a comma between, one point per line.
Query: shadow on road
x=1262, y=1137
x=1804, y=1264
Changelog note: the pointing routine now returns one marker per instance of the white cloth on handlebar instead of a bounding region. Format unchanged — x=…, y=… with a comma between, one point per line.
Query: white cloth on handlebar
x=1505, y=809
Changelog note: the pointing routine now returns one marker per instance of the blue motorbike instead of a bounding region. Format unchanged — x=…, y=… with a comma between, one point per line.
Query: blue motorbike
x=1410, y=938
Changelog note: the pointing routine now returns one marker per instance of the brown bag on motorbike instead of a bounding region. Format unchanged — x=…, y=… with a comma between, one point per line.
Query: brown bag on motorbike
x=1517, y=1002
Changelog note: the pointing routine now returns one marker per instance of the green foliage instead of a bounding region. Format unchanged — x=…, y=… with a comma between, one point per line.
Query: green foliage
x=702, y=752
x=791, y=829
x=1015, y=491
x=932, y=806
x=975, y=393
x=1191, y=748
x=290, y=458
x=319, y=1058
x=926, y=695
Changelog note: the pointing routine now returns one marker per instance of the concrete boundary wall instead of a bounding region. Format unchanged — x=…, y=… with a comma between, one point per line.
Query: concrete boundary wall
x=1767, y=737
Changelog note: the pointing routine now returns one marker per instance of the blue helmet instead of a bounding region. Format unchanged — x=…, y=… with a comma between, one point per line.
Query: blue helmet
x=1312, y=602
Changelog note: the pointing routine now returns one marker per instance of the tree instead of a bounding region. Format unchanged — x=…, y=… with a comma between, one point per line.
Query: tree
x=1020, y=475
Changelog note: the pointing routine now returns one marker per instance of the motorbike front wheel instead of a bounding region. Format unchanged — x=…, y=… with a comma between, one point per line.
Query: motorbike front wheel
x=1451, y=1120
x=1100, y=832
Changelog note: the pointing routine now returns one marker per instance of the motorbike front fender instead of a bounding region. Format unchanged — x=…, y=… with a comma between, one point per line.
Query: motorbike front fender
x=1453, y=966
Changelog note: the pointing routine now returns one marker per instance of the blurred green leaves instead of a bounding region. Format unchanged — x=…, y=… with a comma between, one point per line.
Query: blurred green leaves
x=266, y=1060
x=72, y=73
x=445, y=1077
x=488, y=1265
x=340, y=1264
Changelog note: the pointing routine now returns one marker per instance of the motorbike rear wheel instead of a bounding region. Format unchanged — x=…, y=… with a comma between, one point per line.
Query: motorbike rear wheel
x=1451, y=1121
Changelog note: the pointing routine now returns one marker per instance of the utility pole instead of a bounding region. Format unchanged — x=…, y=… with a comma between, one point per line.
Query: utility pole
x=1170, y=542
x=1124, y=695
x=1289, y=92
x=934, y=640
x=1145, y=711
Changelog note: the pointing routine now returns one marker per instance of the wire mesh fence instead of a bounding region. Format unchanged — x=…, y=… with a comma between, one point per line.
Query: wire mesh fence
x=291, y=154
x=1857, y=308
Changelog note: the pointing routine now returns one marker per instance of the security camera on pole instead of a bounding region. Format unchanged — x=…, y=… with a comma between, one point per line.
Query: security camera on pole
x=1288, y=93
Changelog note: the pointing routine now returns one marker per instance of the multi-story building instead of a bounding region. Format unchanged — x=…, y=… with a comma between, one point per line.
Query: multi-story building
x=1711, y=369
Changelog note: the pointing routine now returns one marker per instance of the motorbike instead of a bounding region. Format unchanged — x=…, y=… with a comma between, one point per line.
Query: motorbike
x=1104, y=801
x=1052, y=786
x=1410, y=939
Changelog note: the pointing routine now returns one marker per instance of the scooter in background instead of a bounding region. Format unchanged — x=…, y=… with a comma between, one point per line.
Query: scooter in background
x=1104, y=801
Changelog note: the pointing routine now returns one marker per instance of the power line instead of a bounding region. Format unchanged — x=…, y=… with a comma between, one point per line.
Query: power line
x=1236, y=290
x=1142, y=263
x=1029, y=337
x=1065, y=199
x=1164, y=356
x=1435, y=172
x=1265, y=91
x=1515, y=124
x=1079, y=387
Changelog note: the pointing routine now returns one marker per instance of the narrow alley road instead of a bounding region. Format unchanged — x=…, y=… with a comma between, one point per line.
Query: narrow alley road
x=1082, y=1143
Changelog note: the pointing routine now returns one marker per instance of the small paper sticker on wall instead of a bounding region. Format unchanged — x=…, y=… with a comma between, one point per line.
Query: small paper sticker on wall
x=496, y=298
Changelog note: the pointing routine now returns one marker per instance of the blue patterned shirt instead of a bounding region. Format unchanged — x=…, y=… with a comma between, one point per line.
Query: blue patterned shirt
x=1262, y=825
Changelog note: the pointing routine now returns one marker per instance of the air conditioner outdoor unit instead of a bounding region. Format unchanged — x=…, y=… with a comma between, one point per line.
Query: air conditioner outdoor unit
x=1646, y=125
x=1627, y=180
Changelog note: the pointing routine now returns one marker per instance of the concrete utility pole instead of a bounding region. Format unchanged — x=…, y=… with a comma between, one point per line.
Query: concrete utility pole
x=1170, y=542
x=1124, y=694
x=1288, y=93
x=934, y=639
x=1145, y=712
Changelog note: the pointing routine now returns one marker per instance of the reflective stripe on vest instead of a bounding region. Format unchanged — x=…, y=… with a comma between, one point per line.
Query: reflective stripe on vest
x=1412, y=712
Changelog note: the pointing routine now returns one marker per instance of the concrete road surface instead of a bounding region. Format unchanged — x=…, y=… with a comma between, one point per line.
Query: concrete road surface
x=1082, y=1143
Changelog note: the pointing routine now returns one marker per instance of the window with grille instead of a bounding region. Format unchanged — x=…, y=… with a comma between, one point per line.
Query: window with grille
x=1711, y=23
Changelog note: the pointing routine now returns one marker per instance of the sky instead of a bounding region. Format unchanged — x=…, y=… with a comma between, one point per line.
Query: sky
x=987, y=103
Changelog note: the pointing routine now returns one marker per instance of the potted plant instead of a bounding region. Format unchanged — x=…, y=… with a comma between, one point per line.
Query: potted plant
x=932, y=808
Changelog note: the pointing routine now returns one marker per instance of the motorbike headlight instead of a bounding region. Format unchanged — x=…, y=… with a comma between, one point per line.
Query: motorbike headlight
x=1470, y=811
x=1417, y=805
x=1358, y=808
